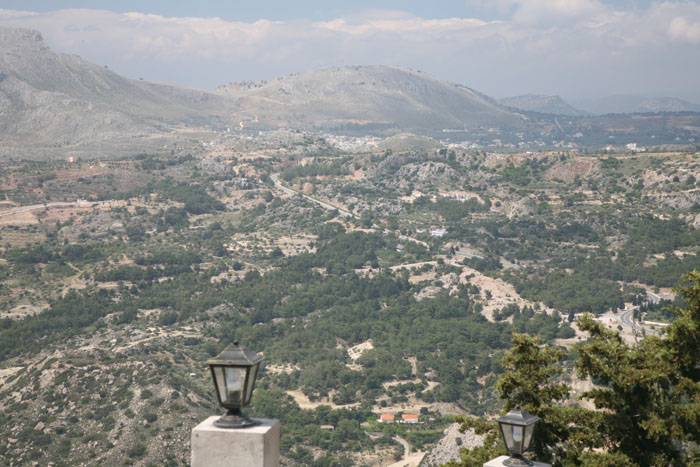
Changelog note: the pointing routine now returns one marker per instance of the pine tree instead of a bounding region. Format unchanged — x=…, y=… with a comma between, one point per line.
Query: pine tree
x=647, y=396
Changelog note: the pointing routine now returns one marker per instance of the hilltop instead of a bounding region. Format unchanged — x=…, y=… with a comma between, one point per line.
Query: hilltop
x=367, y=96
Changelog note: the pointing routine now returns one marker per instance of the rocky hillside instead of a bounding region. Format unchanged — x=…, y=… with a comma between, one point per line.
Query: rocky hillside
x=58, y=99
x=366, y=96
x=623, y=103
x=541, y=103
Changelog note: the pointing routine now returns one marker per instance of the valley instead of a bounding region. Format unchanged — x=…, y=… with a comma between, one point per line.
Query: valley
x=373, y=281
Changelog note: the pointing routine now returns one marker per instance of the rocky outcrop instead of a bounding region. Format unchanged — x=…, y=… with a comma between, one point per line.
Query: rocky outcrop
x=680, y=200
x=448, y=448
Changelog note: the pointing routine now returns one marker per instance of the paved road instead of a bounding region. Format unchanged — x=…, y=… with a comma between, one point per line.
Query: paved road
x=57, y=204
x=289, y=191
x=625, y=318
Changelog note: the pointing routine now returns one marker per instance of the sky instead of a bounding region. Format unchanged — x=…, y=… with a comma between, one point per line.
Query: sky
x=574, y=48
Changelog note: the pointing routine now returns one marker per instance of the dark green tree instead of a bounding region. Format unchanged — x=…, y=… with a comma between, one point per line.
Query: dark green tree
x=646, y=396
x=649, y=393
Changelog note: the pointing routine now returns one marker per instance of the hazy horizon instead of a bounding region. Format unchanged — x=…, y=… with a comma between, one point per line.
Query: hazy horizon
x=577, y=49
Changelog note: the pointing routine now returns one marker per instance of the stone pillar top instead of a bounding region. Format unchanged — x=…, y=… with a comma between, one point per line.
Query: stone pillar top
x=255, y=446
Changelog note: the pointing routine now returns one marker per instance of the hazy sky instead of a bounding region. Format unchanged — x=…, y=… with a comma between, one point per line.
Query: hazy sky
x=574, y=48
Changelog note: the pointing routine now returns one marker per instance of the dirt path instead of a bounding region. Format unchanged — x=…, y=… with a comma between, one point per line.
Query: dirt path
x=304, y=402
x=408, y=460
x=7, y=372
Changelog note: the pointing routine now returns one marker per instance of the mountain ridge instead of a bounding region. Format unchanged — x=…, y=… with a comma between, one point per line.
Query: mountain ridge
x=369, y=94
x=630, y=103
x=58, y=105
x=48, y=97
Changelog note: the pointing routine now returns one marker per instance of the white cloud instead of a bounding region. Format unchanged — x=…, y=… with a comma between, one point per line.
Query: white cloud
x=551, y=46
x=559, y=12
x=7, y=14
x=397, y=22
x=682, y=30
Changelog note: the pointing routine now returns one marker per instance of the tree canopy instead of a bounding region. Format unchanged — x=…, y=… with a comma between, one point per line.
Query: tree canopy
x=646, y=395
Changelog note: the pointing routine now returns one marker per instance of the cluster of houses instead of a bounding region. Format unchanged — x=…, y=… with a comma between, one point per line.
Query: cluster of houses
x=436, y=231
x=458, y=195
x=405, y=418
x=385, y=418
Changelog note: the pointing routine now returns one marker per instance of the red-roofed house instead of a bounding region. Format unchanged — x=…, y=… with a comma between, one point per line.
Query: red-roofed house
x=409, y=418
x=386, y=418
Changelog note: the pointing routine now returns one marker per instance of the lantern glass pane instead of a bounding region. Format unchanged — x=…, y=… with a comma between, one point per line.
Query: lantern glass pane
x=251, y=383
x=220, y=383
x=235, y=379
x=528, y=436
x=507, y=431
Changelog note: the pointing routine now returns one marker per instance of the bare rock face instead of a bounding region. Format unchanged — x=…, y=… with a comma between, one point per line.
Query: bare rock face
x=398, y=173
x=429, y=172
x=10, y=36
x=695, y=222
x=681, y=200
x=521, y=207
x=448, y=448
x=427, y=292
x=52, y=99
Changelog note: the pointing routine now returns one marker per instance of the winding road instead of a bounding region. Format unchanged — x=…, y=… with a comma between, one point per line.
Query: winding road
x=626, y=318
x=343, y=212
x=57, y=204
x=289, y=191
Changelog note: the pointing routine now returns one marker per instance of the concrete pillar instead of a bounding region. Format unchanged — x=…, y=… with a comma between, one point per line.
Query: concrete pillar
x=255, y=446
x=498, y=462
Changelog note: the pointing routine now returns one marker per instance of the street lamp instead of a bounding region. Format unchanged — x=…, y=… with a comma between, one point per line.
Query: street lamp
x=234, y=371
x=517, y=427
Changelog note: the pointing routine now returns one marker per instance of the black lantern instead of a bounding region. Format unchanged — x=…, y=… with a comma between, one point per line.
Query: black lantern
x=234, y=371
x=517, y=427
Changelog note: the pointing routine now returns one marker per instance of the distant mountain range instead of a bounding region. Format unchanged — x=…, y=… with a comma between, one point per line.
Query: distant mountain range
x=50, y=101
x=616, y=104
x=541, y=103
x=622, y=103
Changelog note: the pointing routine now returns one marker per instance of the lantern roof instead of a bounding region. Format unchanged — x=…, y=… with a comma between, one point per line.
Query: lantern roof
x=519, y=417
x=236, y=355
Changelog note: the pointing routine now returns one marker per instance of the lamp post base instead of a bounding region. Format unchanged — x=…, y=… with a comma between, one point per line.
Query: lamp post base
x=517, y=461
x=502, y=461
x=235, y=419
